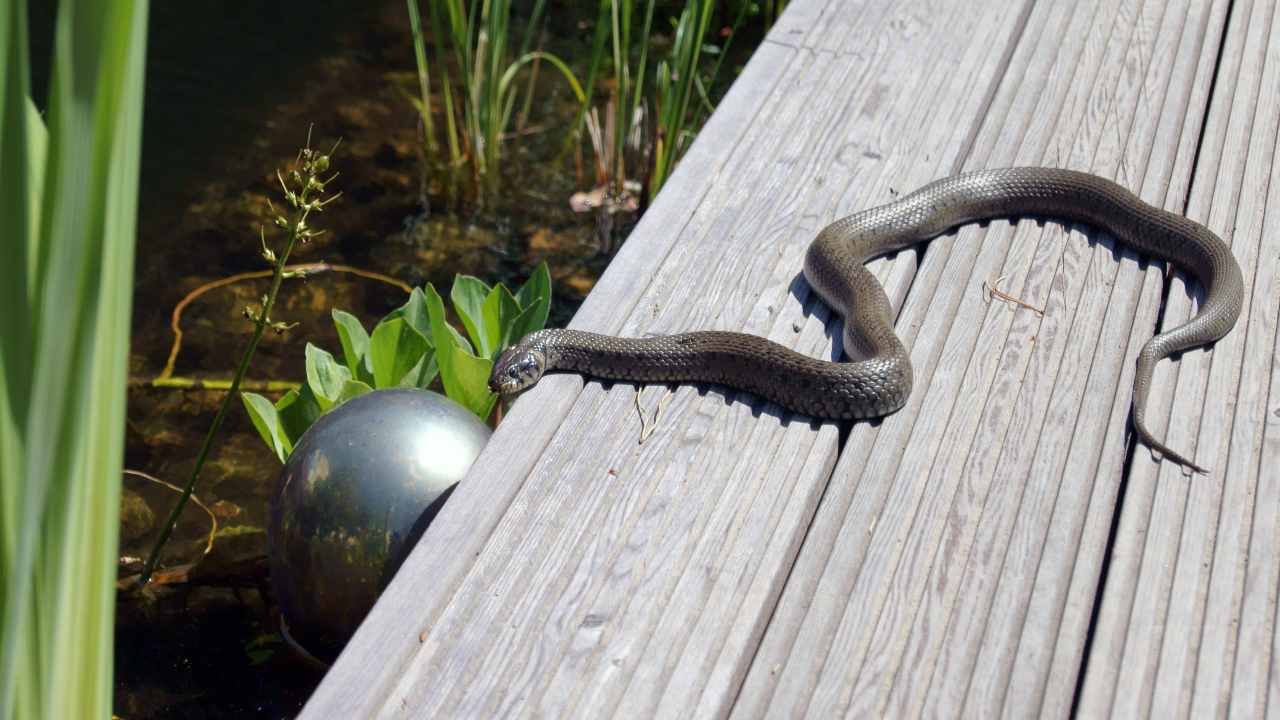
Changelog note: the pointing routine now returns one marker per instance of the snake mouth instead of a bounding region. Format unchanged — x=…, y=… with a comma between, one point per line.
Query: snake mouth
x=505, y=388
x=516, y=371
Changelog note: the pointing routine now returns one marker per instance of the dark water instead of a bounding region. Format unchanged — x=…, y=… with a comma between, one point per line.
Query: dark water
x=232, y=88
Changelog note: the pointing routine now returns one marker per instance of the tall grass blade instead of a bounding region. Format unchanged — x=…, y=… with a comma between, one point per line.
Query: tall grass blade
x=63, y=441
x=19, y=208
x=481, y=109
x=424, y=74
x=593, y=68
x=676, y=86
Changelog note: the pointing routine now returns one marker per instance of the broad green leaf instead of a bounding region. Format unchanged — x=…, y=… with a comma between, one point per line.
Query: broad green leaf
x=459, y=338
x=414, y=311
x=536, y=288
x=394, y=349
x=468, y=295
x=354, y=339
x=443, y=322
x=440, y=327
x=465, y=376
x=298, y=410
x=439, y=336
x=423, y=372
x=535, y=293
x=352, y=389
x=325, y=376
x=267, y=421
x=523, y=324
x=470, y=382
x=500, y=311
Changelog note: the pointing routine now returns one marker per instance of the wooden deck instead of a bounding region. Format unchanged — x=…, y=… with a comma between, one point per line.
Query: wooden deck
x=998, y=547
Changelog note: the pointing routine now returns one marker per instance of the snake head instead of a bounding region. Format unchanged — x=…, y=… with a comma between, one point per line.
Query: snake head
x=518, y=369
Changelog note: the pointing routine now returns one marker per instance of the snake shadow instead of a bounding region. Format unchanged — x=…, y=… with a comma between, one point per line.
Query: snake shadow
x=728, y=395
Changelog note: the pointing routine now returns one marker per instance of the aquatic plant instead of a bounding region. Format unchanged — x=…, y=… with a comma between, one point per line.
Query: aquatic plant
x=627, y=151
x=618, y=143
x=303, y=187
x=771, y=9
x=679, y=78
x=479, y=93
x=409, y=347
x=629, y=88
x=68, y=208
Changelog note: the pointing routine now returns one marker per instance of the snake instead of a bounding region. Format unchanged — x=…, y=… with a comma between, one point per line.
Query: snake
x=875, y=380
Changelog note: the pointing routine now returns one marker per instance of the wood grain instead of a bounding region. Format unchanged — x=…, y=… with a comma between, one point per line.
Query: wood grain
x=581, y=595
x=1187, y=624
x=948, y=559
x=931, y=546
x=410, y=604
x=577, y=639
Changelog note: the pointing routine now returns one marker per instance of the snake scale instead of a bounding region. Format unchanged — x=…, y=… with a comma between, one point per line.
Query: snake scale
x=878, y=381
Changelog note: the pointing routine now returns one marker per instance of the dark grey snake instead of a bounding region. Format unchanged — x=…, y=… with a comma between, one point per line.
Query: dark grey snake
x=879, y=382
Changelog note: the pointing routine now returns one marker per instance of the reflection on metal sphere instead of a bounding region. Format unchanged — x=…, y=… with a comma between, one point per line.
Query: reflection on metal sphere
x=357, y=492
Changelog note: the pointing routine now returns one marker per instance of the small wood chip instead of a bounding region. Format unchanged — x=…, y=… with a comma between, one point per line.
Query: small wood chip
x=992, y=290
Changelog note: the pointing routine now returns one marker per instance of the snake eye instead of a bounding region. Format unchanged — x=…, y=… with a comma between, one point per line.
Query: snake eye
x=517, y=370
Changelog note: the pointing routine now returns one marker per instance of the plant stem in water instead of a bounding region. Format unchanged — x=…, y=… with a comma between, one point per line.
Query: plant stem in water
x=303, y=202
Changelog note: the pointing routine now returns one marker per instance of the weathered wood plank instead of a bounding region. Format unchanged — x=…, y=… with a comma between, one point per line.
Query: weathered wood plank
x=947, y=525
x=375, y=657
x=630, y=528
x=573, y=603
x=1187, y=624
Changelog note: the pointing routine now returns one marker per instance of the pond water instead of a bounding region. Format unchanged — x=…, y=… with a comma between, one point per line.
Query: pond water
x=232, y=89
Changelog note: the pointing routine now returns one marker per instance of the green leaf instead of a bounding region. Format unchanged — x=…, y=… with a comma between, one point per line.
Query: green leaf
x=394, y=349
x=465, y=376
x=325, y=376
x=354, y=339
x=523, y=324
x=500, y=311
x=414, y=311
x=535, y=293
x=470, y=385
x=422, y=373
x=37, y=146
x=267, y=421
x=468, y=297
x=352, y=389
x=448, y=329
x=67, y=272
x=298, y=409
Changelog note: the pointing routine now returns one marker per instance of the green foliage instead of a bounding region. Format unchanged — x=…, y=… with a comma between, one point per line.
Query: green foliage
x=355, y=343
x=614, y=21
x=677, y=89
x=68, y=207
x=465, y=375
x=410, y=347
x=677, y=80
x=303, y=191
x=477, y=43
x=772, y=9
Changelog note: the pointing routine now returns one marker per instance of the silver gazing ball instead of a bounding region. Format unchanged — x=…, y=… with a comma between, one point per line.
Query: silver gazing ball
x=353, y=499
